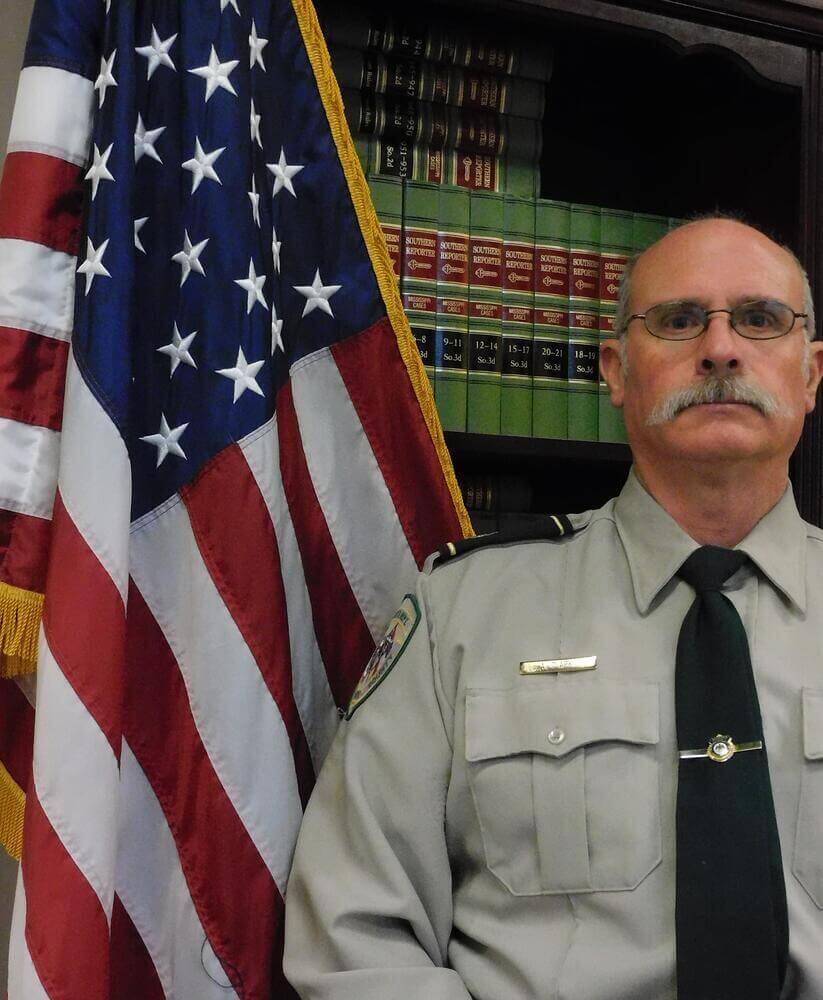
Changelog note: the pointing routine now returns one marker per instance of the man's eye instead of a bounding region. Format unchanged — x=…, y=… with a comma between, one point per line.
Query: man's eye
x=760, y=318
x=679, y=318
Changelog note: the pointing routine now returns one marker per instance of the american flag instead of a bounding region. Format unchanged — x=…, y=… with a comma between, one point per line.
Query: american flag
x=220, y=462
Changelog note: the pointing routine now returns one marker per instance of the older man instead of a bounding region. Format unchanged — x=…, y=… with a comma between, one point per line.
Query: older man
x=554, y=780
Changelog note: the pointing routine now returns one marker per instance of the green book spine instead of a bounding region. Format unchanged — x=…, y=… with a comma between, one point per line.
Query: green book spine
x=584, y=322
x=485, y=312
x=550, y=399
x=616, y=236
x=387, y=196
x=647, y=229
x=518, y=316
x=452, y=331
x=418, y=266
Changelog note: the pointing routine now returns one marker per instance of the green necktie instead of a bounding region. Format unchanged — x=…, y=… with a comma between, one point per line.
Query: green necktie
x=732, y=926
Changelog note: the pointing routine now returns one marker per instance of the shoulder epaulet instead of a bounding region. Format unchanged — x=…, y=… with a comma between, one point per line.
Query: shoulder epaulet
x=530, y=529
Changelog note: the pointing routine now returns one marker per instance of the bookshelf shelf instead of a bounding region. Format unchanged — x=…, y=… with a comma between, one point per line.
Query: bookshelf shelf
x=494, y=447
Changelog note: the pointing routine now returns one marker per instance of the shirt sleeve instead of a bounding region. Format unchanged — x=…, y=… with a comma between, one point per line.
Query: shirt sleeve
x=369, y=900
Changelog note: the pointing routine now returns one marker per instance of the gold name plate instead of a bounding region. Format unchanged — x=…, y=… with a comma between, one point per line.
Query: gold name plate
x=568, y=666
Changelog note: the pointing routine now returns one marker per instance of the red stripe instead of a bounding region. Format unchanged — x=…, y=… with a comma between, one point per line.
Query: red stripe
x=32, y=377
x=84, y=622
x=24, y=550
x=343, y=637
x=133, y=975
x=66, y=929
x=41, y=200
x=233, y=892
x=16, y=732
x=401, y=442
x=245, y=568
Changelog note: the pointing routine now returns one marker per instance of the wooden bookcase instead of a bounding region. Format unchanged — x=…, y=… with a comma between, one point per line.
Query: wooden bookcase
x=671, y=107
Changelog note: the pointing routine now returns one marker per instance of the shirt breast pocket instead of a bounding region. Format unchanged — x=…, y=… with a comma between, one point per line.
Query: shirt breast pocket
x=807, y=863
x=565, y=781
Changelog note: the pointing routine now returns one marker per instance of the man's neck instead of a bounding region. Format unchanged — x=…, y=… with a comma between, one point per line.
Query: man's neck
x=714, y=506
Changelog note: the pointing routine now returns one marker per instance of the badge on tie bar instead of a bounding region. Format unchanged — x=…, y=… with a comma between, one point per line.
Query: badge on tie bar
x=721, y=749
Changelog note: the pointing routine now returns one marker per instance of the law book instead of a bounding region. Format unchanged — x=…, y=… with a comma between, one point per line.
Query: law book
x=452, y=322
x=550, y=400
x=647, y=229
x=435, y=40
x=402, y=76
x=584, y=321
x=492, y=492
x=518, y=316
x=485, y=312
x=418, y=266
x=387, y=197
x=616, y=239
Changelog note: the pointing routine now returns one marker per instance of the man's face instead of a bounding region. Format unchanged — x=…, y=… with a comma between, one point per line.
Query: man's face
x=719, y=264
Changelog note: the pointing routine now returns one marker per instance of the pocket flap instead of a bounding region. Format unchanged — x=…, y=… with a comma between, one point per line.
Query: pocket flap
x=557, y=718
x=813, y=723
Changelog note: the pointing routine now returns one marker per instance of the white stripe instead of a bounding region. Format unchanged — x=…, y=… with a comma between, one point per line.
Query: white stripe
x=153, y=891
x=24, y=983
x=36, y=288
x=351, y=491
x=52, y=114
x=310, y=685
x=236, y=718
x=75, y=777
x=95, y=491
x=28, y=468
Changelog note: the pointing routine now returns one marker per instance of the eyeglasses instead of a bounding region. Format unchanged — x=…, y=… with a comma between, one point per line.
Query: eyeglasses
x=764, y=319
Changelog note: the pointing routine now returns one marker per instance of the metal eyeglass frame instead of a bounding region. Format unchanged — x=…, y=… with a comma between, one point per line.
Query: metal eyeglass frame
x=710, y=312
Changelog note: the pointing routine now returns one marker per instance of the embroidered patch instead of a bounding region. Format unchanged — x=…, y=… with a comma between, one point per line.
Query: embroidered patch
x=401, y=629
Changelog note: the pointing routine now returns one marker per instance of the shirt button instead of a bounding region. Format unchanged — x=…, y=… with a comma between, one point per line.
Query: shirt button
x=556, y=736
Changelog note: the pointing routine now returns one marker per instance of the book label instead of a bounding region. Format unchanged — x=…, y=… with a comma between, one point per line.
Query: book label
x=612, y=267
x=517, y=356
x=551, y=359
x=484, y=352
x=393, y=235
x=425, y=344
x=421, y=253
x=552, y=271
x=584, y=359
x=585, y=274
x=486, y=255
x=454, y=351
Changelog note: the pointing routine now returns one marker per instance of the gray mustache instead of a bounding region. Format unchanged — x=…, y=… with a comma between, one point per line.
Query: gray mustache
x=718, y=389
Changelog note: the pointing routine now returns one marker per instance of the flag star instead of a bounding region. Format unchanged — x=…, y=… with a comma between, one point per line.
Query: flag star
x=202, y=165
x=253, y=286
x=255, y=201
x=105, y=79
x=178, y=350
x=256, y=46
x=99, y=170
x=108, y=6
x=216, y=74
x=275, y=250
x=243, y=375
x=144, y=140
x=276, y=331
x=225, y=3
x=255, y=126
x=188, y=258
x=317, y=295
x=92, y=266
x=166, y=440
x=157, y=52
x=138, y=225
x=283, y=174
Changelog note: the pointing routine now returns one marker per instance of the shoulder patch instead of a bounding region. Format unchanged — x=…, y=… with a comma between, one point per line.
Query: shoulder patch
x=532, y=528
x=388, y=652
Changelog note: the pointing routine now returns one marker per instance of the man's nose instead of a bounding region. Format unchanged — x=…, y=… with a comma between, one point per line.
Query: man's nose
x=719, y=345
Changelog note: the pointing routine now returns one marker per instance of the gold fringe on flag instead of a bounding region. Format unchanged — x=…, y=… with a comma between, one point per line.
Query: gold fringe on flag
x=12, y=803
x=375, y=241
x=20, y=612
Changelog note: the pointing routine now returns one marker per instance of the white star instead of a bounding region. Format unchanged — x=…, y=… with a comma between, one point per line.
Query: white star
x=276, y=331
x=144, y=140
x=216, y=74
x=99, y=170
x=255, y=201
x=157, y=51
x=178, y=350
x=317, y=294
x=253, y=286
x=256, y=46
x=166, y=441
x=105, y=79
x=108, y=6
x=93, y=264
x=187, y=258
x=138, y=225
x=275, y=250
x=201, y=165
x=283, y=174
x=243, y=375
x=255, y=125
x=225, y=3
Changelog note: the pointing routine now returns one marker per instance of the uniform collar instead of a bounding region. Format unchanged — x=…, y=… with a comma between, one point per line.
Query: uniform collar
x=656, y=546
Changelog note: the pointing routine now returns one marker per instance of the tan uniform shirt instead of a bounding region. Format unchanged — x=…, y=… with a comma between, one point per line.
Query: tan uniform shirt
x=480, y=833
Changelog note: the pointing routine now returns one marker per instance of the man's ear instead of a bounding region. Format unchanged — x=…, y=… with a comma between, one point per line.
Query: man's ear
x=815, y=373
x=611, y=370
